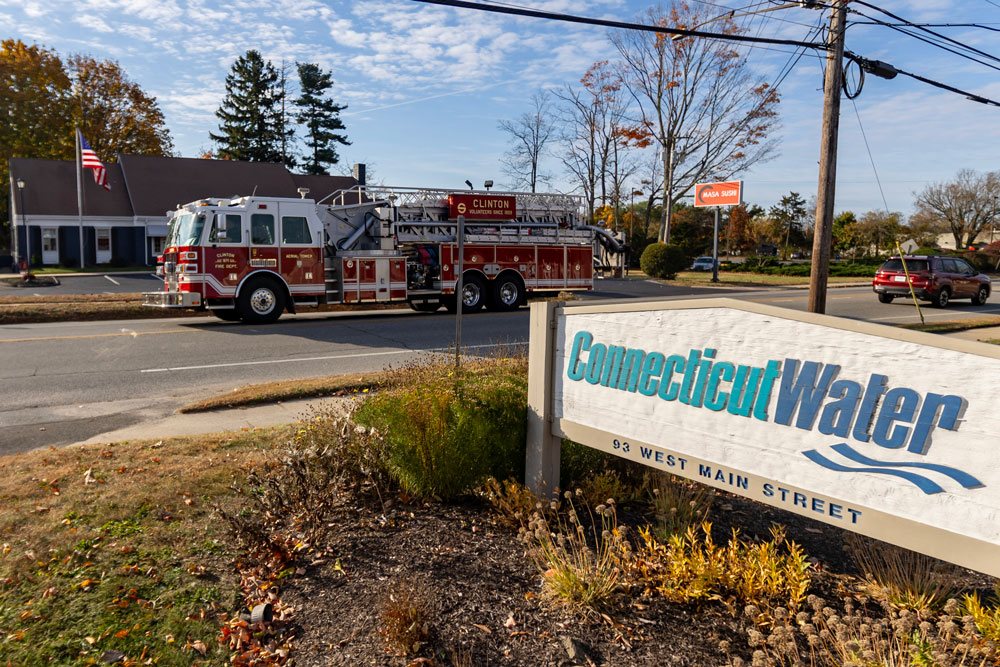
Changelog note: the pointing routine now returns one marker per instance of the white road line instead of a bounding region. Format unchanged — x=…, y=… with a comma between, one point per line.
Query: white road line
x=335, y=356
x=113, y=280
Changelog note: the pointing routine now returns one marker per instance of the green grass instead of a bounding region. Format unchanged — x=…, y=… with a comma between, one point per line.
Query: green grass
x=127, y=558
x=734, y=279
x=950, y=326
x=100, y=268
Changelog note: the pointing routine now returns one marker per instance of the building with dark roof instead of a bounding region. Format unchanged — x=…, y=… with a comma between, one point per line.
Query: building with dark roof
x=128, y=224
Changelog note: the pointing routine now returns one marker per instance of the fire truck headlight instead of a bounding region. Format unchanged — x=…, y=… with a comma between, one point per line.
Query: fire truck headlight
x=189, y=256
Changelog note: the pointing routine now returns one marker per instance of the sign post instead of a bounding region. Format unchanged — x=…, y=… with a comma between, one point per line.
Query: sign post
x=828, y=418
x=725, y=193
x=459, y=301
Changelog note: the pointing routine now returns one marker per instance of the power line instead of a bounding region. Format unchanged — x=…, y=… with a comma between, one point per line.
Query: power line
x=622, y=25
x=984, y=26
x=930, y=32
x=870, y=158
x=931, y=42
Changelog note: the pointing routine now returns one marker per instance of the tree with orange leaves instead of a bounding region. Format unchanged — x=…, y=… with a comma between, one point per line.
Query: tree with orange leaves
x=711, y=117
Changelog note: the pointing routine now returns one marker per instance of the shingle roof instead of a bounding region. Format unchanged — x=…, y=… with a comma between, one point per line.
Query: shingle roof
x=152, y=185
x=159, y=184
x=50, y=189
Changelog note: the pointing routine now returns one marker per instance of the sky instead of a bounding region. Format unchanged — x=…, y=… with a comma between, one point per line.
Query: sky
x=426, y=85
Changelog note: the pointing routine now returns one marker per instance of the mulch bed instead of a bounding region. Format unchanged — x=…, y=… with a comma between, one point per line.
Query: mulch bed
x=485, y=597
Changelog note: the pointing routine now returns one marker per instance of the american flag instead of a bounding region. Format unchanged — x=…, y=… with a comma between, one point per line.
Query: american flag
x=91, y=161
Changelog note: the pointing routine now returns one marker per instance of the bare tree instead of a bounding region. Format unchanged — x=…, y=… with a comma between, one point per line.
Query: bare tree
x=599, y=139
x=580, y=142
x=528, y=136
x=709, y=114
x=966, y=206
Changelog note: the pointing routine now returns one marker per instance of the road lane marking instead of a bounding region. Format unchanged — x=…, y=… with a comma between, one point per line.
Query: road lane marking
x=325, y=358
x=132, y=334
x=113, y=280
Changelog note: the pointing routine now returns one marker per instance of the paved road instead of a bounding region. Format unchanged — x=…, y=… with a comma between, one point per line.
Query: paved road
x=67, y=382
x=91, y=284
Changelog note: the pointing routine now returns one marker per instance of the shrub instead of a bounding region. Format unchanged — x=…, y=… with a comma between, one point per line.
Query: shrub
x=902, y=578
x=927, y=250
x=661, y=260
x=578, y=569
x=690, y=567
x=446, y=431
x=755, y=263
x=986, y=616
x=678, y=504
x=825, y=637
x=406, y=614
x=291, y=496
x=981, y=261
x=580, y=466
x=513, y=502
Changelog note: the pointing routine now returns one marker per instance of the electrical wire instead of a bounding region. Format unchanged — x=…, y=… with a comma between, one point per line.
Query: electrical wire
x=624, y=25
x=868, y=148
x=926, y=30
x=931, y=42
x=570, y=18
x=984, y=26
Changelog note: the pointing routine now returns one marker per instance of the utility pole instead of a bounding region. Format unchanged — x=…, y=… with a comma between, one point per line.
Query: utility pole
x=823, y=231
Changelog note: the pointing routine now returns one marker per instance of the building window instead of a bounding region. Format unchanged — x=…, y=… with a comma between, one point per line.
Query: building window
x=295, y=230
x=159, y=243
x=103, y=240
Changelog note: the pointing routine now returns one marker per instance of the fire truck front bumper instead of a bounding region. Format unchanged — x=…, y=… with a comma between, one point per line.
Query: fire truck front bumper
x=171, y=299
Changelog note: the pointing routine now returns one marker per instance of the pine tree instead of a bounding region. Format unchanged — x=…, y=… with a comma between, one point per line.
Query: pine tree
x=250, y=112
x=320, y=116
x=286, y=118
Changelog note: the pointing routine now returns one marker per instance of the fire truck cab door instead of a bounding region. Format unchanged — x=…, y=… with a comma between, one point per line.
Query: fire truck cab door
x=225, y=255
x=264, y=238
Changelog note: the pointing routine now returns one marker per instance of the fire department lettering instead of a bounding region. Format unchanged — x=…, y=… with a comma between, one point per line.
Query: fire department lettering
x=481, y=207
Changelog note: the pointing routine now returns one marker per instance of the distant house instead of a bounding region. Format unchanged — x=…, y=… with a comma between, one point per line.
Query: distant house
x=128, y=224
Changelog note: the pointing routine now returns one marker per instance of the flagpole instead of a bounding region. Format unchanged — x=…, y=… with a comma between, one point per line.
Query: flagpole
x=79, y=189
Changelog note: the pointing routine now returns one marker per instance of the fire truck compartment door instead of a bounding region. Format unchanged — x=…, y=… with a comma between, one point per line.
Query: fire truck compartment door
x=382, y=279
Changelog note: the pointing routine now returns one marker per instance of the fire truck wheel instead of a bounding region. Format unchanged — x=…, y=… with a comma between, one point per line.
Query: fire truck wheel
x=260, y=302
x=473, y=294
x=508, y=292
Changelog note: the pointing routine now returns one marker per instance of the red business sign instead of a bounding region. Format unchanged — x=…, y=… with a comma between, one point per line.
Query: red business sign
x=729, y=193
x=482, y=207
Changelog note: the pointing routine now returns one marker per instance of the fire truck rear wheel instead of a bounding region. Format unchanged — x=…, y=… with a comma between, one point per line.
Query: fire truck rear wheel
x=473, y=295
x=261, y=301
x=508, y=293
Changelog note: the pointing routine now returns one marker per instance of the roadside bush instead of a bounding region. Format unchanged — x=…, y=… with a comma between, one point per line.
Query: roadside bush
x=928, y=250
x=660, y=260
x=980, y=261
x=288, y=499
x=754, y=263
x=446, y=430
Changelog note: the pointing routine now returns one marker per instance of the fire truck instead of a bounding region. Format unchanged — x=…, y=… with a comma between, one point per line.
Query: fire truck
x=252, y=258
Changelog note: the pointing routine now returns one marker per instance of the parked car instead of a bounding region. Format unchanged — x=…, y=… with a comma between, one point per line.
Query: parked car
x=702, y=264
x=934, y=278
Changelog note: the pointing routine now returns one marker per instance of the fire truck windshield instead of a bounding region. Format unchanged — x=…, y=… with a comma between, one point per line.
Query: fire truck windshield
x=186, y=230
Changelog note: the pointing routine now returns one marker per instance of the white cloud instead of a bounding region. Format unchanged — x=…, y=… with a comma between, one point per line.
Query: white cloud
x=93, y=23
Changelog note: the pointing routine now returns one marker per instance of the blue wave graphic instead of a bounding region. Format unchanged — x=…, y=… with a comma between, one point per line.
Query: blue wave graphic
x=963, y=478
x=924, y=484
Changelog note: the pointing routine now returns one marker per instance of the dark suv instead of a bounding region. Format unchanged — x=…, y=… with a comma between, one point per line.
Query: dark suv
x=934, y=278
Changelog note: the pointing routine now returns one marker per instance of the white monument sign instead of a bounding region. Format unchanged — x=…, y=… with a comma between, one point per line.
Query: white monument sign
x=886, y=432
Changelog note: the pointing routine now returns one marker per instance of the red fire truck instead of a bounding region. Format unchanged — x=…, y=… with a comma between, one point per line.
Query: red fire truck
x=251, y=258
